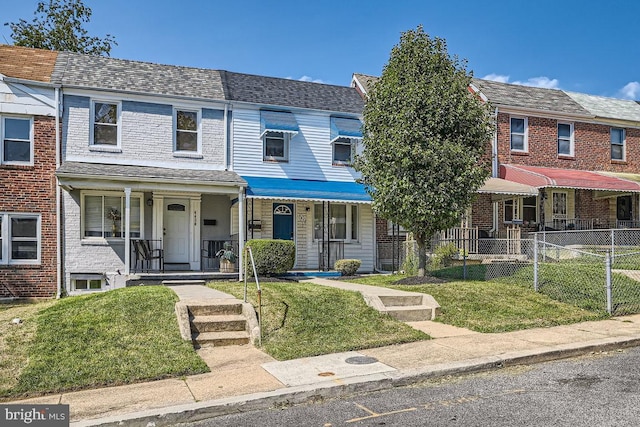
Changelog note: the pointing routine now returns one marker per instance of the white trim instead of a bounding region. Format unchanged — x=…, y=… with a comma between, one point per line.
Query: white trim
x=31, y=139
x=525, y=135
x=571, y=139
x=198, y=150
x=6, y=240
x=624, y=143
x=140, y=161
x=92, y=116
x=286, y=138
x=103, y=194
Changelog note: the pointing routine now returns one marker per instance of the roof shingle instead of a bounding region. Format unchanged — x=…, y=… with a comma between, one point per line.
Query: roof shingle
x=27, y=63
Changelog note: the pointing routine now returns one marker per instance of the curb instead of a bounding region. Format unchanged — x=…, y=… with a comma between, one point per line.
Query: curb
x=288, y=396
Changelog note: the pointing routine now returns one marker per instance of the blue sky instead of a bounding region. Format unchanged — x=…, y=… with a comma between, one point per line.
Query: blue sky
x=584, y=46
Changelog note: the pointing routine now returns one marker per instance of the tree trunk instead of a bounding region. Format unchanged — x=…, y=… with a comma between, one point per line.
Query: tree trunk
x=422, y=254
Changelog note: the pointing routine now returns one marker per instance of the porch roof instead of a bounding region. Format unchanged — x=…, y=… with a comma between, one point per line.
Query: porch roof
x=541, y=177
x=500, y=186
x=303, y=189
x=72, y=173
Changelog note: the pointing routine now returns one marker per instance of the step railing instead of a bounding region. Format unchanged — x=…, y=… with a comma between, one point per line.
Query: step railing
x=247, y=250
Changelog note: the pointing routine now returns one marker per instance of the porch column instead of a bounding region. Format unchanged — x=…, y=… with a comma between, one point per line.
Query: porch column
x=242, y=221
x=127, y=227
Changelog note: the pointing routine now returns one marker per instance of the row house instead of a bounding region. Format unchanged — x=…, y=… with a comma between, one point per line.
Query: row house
x=28, y=140
x=579, y=151
x=162, y=165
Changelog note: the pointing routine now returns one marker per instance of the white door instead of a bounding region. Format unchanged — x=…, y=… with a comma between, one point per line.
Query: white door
x=176, y=230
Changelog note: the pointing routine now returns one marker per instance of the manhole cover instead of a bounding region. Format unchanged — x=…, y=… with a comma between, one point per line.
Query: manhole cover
x=361, y=360
x=326, y=374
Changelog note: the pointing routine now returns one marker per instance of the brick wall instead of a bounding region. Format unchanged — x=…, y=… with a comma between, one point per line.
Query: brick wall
x=592, y=146
x=32, y=189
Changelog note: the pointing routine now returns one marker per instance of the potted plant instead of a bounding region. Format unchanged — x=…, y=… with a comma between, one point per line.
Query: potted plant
x=227, y=259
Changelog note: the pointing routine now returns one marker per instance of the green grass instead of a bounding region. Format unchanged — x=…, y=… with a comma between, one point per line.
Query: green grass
x=492, y=306
x=117, y=337
x=301, y=320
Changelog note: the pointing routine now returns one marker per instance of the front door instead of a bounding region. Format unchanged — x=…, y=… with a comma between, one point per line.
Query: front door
x=176, y=230
x=623, y=205
x=283, y=221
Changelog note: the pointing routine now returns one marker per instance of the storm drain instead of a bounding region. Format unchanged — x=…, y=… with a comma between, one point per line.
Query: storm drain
x=361, y=360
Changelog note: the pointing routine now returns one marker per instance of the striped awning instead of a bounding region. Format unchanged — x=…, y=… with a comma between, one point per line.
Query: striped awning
x=501, y=187
x=342, y=127
x=278, y=121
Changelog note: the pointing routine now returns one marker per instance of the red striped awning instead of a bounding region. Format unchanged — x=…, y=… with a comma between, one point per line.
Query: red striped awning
x=541, y=177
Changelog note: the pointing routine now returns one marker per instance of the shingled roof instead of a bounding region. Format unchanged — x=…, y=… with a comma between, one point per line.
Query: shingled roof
x=27, y=63
x=366, y=81
x=612, y=108
x=291, y=93
x=530, y=98
x=98, y=72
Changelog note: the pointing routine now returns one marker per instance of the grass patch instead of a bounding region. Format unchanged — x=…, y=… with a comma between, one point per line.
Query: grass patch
x=492, y=306
x=301, y=320
x=117, y=337
x=16, y=339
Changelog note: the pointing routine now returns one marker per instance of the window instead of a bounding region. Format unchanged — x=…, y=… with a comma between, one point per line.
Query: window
x=104, y=129
x=524, y=209
x=399, y=230
x=565, y=139
x=103, y=215
x=17, y=143
x=342, y=222
x=511, y=210
x=186, y=136
x=276, y=146
x=519, y=134
x=19, y=238
x=87, y=282
x=343, y=149
x=529, y=209
x=617, y=144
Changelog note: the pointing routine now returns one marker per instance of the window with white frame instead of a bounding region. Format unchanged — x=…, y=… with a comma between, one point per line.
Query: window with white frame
x=186, y=130
x=518, y=131
x=276, y=146
x=565, y=139
x=524, y=209
x=104, y=123
x=17, y=140
x=103, y=215
x=396, y=229
x=341, y=224
x=19, y=238
x=87, y=282
x=617, y=144
x=511, y=210
x=343, y=151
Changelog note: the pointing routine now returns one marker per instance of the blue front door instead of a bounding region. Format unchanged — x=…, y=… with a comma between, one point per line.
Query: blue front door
x=283, y=221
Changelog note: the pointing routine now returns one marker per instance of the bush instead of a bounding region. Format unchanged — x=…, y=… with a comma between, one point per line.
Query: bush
x=272, y=257
x=347, y=267
x=442, y=256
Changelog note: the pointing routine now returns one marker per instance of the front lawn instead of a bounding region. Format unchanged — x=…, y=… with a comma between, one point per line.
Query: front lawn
x=492, y=306
x=111, y=338
x=301, y=319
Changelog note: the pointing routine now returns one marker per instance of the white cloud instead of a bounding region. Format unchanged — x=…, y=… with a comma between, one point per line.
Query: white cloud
x=310, y=79
x=541, y=81
x=631, y=90
x=497, y=78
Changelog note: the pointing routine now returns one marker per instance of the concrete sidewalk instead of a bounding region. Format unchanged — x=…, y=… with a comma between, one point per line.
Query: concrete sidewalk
x=244, y=378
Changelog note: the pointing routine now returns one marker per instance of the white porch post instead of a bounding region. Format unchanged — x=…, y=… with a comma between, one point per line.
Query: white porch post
x=127, y=226
x=241, y=226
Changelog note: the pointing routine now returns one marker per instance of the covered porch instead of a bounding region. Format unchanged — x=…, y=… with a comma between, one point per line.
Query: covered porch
x=126, y=222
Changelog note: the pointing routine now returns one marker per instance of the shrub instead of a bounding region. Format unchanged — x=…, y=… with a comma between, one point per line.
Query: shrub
x=272, y=257
x=442, y=256
x=347, y=267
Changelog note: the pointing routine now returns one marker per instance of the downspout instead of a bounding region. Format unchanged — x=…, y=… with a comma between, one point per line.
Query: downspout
x=58, y=102
x=242, y=221
x=494, y=173
x=226, y=136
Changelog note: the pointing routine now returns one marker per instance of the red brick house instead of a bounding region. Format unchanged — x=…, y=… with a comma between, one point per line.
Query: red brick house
x=28, y=220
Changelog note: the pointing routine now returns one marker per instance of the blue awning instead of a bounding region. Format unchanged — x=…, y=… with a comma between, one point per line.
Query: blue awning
x=345, y=128
x=278, y=121
x=302, y=189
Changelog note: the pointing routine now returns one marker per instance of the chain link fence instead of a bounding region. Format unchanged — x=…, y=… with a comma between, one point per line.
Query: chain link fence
x=597, y=270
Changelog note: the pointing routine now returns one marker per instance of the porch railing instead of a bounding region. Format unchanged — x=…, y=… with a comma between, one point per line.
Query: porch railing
x=208, y=259
x=329, y=252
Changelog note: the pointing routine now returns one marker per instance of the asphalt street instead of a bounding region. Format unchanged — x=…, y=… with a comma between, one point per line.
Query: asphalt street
x=599, y=389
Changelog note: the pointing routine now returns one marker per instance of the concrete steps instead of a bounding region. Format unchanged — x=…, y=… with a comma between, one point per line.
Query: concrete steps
x=407, y=307
x=219, y=324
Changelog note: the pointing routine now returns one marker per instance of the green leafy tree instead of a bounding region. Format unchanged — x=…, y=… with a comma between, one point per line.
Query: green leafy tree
x=425, y=135
x=58, y=25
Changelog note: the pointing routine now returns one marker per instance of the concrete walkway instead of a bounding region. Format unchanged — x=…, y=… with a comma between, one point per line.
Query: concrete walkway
x=244, y=378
